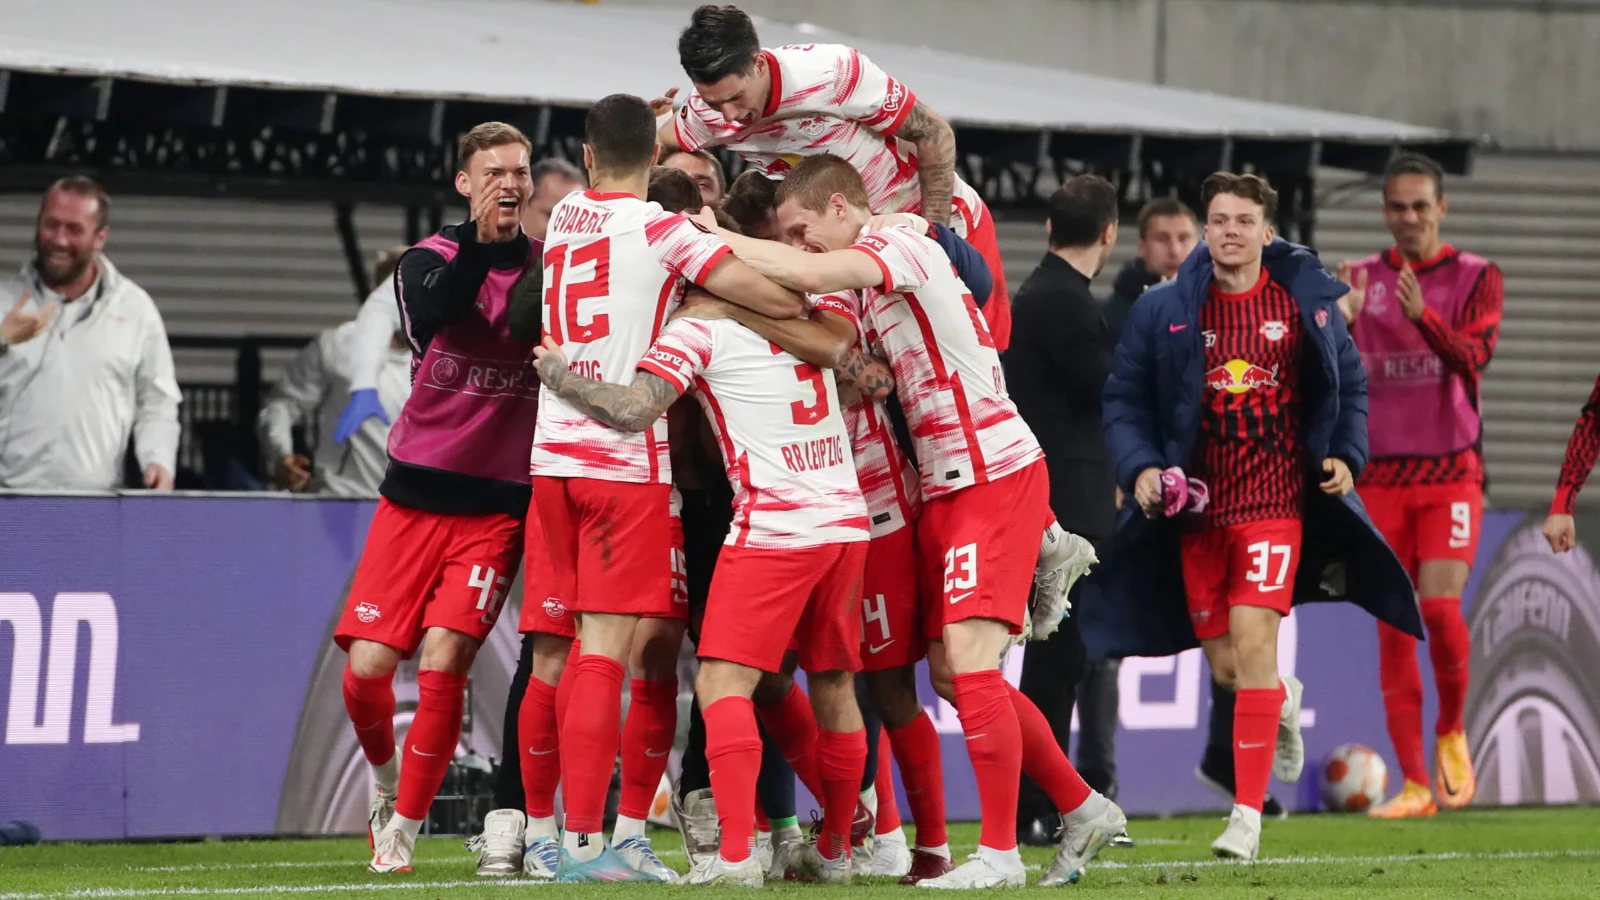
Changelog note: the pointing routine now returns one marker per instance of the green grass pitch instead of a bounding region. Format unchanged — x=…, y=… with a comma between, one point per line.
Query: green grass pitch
x=1519, y=853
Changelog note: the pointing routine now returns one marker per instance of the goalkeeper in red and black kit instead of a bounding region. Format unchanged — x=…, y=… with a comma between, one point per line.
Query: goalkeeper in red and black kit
x=1236, y=415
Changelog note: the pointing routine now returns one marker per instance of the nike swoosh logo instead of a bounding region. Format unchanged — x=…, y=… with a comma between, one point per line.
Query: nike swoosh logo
x=420, y=753
x=653, y=755
x=1444, y=777
x=1174, y=329
x=976, y=736
x=542, y=752
x=1244, y=746
x=957, y=598
x=1277, y=587
x=875, y=648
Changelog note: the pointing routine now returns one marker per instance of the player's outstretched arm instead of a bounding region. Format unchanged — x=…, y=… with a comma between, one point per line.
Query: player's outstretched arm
x=743, y=285
x=936, y=159
x=629, y=409
x=808, y=273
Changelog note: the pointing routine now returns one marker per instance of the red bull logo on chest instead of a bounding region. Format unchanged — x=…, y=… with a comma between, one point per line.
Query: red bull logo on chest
x=1237, y=376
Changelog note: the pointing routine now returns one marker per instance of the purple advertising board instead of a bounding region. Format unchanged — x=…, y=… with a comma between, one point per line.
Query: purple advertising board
x=167, y=669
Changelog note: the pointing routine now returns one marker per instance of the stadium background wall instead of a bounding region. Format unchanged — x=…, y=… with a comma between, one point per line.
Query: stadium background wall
x=202, y=698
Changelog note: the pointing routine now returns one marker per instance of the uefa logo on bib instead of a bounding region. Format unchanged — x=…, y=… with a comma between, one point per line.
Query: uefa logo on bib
x=445, y=370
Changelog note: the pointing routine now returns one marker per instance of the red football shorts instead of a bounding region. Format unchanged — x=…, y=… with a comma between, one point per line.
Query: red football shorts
x=542, y=611
x=891, y=608
x=762, y=600
x=981, y=544
x=422, y=570
x=1427, y=521
x=981, y=235
x=605, y=540
x=1249, y=564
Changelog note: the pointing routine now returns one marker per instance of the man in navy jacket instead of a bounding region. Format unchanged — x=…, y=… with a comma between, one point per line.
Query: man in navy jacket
x=1242, y=372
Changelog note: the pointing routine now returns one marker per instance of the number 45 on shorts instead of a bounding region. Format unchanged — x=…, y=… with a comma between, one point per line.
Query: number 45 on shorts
x=960, y=572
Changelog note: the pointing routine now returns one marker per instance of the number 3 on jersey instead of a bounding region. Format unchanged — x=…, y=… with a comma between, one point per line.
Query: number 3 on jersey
x=563, y=294
x=808, y=413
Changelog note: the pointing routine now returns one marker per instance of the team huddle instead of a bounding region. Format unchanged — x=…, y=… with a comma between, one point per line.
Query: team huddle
x=837, y=355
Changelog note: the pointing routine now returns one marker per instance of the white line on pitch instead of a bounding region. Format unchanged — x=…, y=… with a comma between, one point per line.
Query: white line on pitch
x=110, y=893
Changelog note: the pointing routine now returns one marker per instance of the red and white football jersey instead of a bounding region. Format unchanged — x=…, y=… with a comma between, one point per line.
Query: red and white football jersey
x=888, y=480
x=782, y=435
x=946, y=370
x=614, y=269
x=829, y=98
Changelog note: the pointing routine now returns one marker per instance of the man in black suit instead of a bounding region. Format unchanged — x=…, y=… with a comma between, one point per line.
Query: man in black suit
x=1057, y=364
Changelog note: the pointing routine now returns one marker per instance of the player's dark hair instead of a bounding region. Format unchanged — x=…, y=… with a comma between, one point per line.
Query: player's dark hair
x=720, y=41
x=620, y=131
x=718, y=174
x=1251, y=187
x=817, y=178
x=1414, y=164
x=1161, y=208
x=1081, y=210
x=750, y=199
x=674, y=190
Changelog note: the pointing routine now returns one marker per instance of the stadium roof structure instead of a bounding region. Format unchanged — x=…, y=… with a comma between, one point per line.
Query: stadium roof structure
x=362, y=99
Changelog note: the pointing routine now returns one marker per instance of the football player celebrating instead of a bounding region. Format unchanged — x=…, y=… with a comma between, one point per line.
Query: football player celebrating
x=775, y=107
x=985, y=497
x=615, y=266
x=1241, y=371
x=789, y=571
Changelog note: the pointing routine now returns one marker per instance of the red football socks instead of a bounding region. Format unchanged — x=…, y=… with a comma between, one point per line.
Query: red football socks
x=841, y=764
x=733, y=749
x=538, y=741
x=564, y=683
x=1255, y=743
x=370, y=703
x=916, y=749
x=431, y=742
x=888, y=812
x=1450, y=647
x=793, y=725
x=1043, y=758
x=646, y=740
x=994, y=742
x=1401, y=680
x=590, y=737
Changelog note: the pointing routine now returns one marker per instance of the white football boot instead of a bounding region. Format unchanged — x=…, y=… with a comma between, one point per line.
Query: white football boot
x=696, y=816
x=1084, y=837
x=1241, y=840
x=714, y=870
x=983, y=870
x=890, y=856
x=500, y=845
x=642, y=857
x=1064, y=557
x=393, y=851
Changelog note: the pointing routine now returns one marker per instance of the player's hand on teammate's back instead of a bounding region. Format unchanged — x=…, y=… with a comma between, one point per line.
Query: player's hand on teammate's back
x=1147, y=492
x=1410, y=291
x=1353, y=302
x=549, y=362
x=1339, y=481
x=1561, y=532
x=890, y=220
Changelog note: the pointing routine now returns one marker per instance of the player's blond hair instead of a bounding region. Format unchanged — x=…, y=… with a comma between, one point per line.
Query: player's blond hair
x=486, y=135
x=817, y=178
